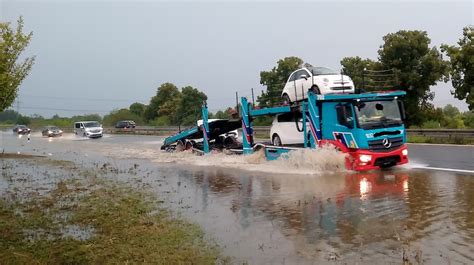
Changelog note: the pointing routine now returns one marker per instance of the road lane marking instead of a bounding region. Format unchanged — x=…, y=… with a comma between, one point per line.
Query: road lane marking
x=454, y=145
x=446, y=169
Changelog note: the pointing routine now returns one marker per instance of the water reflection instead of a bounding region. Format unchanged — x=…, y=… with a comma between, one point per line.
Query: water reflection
x=350, y=211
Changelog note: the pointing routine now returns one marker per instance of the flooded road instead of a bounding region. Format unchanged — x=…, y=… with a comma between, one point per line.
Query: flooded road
x=268, y=213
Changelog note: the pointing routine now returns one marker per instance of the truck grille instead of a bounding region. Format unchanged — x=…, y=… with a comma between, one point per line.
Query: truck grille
x=378, y=145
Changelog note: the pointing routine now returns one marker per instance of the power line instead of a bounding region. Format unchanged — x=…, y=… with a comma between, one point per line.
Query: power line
x=88, y=99
x=72, y=110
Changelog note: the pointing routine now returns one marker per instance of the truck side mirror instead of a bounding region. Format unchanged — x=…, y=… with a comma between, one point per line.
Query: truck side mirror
x=401, y=106
x=344, y=117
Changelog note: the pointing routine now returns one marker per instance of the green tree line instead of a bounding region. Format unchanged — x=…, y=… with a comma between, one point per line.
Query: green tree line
x=447, y=117
x=406, y=61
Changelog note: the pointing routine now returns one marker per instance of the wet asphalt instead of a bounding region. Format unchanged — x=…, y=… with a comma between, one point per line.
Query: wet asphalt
x=420, y=213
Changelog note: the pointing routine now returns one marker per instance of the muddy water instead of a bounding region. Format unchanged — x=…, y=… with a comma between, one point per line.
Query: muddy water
x=266, y=213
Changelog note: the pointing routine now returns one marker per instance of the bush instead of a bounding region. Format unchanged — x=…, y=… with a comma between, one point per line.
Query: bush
x=23, y=120
x=430, y=125
x=160, y=121
x=119, y=115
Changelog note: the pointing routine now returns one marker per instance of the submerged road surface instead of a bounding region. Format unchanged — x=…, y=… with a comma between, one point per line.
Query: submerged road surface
x=269, y=213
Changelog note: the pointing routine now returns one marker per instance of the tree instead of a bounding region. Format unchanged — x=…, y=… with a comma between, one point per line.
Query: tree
x=9, y=116
x=450, y=111
x=165, y=93
x=462, y=66
x=355, y=68
x=122, y=114
x=87, y=117
x=417, y=66
x=226, y=114
x=468, y=118
x=23, y=120
x=452, y=118
x=275, y=80
x=137, y=109
x=12, y=70
x=189, y=109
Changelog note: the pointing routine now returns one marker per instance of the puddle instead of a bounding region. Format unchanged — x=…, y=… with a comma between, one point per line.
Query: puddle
x=77, y=232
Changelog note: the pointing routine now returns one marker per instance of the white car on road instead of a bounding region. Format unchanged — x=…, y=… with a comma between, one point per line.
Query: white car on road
x=321, y=80
x=91, y=129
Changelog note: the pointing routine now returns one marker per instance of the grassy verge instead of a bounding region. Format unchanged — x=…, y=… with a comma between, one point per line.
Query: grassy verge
x=439, y=140
x=97, y=222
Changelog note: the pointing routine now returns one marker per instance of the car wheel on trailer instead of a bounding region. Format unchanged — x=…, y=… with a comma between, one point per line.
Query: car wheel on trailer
x=189, y=145
x=180, y=146
x=286, y=99
x=230, y=141
x=315, y=90
x=276, y=141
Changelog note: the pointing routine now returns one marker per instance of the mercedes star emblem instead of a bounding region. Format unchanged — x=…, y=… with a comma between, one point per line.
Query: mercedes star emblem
x=386, y=142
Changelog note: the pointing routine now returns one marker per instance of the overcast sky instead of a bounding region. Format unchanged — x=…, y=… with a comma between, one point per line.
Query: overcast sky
x=95, y=56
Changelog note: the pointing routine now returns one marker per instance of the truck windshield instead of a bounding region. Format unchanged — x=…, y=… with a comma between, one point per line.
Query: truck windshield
x=378, y=114
x=91, y=124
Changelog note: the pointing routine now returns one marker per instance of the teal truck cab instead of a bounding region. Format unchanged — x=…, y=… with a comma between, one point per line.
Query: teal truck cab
x=367, y=127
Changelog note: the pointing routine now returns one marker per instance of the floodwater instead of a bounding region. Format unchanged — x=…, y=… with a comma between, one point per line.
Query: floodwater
x=294, y=211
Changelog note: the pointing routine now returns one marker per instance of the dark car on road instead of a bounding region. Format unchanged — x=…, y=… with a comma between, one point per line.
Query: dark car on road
x=21, y=129
x=51, y=131
x=125, y=124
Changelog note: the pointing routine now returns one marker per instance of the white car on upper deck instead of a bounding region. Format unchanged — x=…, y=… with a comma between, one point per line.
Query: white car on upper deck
x=321, y=80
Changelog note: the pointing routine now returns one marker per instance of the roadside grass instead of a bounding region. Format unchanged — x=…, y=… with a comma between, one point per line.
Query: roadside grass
x=98, y=223
x=439, y=140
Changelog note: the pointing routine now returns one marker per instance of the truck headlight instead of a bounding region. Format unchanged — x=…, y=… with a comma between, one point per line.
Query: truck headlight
x=365, y=158
x=405, y=152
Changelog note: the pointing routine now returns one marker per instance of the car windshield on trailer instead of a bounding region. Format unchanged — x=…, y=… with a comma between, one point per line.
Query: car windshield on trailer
x=378, y=114
x=322, y=71
x=91, y=124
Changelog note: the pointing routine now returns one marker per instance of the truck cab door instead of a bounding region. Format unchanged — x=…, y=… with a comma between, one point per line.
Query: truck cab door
x=345, y=125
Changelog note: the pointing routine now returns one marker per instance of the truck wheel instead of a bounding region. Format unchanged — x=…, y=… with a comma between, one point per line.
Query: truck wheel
x=286, y=99
x=315, y=90
x=276, y=141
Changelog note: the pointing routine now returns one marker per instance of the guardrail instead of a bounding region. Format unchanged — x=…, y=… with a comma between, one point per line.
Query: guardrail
x=443, y=133
x=264, y=131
